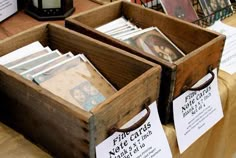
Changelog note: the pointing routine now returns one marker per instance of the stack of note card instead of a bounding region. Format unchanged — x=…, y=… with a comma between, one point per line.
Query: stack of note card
x=71, y=77
x=150, y=40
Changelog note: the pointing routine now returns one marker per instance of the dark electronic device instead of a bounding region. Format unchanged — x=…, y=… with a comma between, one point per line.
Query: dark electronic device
x=49, y=9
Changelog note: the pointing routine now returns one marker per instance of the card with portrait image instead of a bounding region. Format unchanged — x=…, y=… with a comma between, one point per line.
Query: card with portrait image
x=153, y=41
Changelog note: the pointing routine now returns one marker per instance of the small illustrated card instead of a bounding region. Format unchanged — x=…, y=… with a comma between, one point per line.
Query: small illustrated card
x=147, y=141
x=151, y=40
x=195, y=112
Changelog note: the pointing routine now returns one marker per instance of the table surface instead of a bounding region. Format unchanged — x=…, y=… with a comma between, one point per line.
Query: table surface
x=231, y=20
x=21, y=21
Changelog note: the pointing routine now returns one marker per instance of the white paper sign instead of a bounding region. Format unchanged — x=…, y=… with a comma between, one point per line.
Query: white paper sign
x=148, y=141
x=228, y=60
x=7, y=8
x=195, y=112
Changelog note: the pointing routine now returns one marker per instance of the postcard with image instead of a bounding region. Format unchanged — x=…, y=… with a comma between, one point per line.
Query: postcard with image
x=21, y=52
x=81, y=85
x=28, y=74
x=34, y=62
x=85, y=95
x=153, y=41
x=29, y=57
x=181, y=9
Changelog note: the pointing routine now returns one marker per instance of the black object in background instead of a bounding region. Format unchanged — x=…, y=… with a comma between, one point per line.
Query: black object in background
x=21, y=4
x=49, y=10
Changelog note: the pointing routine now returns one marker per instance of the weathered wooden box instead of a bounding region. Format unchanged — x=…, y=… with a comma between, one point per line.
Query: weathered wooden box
x=60, y=127
x=203, y=47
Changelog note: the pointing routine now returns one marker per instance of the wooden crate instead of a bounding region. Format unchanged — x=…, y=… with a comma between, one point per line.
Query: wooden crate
x=203, y=47
x=62, y=128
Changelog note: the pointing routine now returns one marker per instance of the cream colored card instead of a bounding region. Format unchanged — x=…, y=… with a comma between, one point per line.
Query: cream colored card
x=81, y=85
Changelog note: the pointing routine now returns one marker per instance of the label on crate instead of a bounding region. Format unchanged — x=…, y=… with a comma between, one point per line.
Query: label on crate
x=147, y=141
x=195, y=112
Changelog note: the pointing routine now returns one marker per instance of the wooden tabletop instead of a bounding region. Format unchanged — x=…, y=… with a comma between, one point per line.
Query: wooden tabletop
x=21, y=21
x=231, y=20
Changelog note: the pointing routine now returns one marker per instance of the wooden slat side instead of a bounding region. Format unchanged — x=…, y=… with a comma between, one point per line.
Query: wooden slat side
x=117, y=66
x=182, y=33
x=37, y=33
x=195, y=66
x=189, y=37
x=126, y=103
x=105, y=15
x=46, y=119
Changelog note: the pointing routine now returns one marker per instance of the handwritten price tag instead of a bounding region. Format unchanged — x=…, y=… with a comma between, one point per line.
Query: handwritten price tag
x=148, y=141
x=195, y=112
